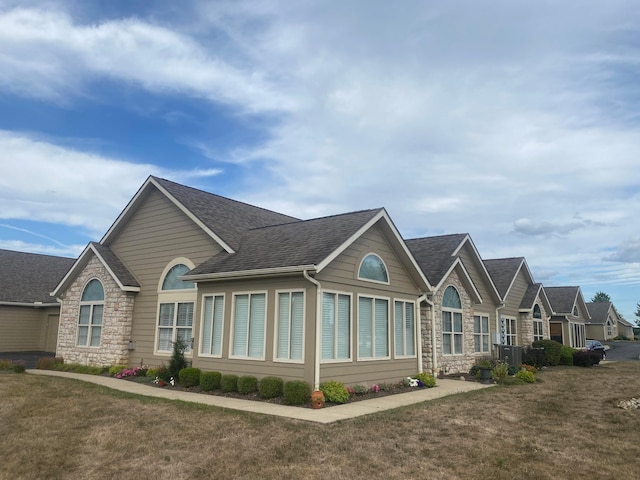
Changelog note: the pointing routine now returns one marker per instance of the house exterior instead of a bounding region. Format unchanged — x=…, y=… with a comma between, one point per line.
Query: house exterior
x=460, y=314
x=605, y=323
x=28, y=314
x=569, y=316
x=625, y=329
x=525, y=313
x=251, y=291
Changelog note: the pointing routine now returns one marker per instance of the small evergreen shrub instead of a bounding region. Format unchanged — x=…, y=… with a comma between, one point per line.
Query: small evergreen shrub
x=189, y=377
x=534, y=356
x=334, y=392
x=115, y=369
x=585, y=358
x=426, y=379
x=229, y=383
x=45, y=363
x=177, y=362
x=19, y=368
x=551, y=350
x=210, y=381
x=512, y=370
x=296, y=392
x=525, y=375
x=566, y=355
x=247, y=384
x=271, y=387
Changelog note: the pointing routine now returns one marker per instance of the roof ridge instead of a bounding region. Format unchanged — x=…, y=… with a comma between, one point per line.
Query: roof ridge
x=37, y=254
x=317, y=218
x=438, y=236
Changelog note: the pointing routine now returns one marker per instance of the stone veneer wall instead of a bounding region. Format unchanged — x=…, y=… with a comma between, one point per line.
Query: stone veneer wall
x=448, y=363
x=116, y=321
x=526, y=325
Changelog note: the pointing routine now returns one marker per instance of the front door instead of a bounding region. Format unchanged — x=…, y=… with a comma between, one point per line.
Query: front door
x=51, y=338
x=555, y=332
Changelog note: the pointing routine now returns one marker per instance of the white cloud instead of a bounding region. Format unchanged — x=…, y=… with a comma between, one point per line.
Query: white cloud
x=70, y=251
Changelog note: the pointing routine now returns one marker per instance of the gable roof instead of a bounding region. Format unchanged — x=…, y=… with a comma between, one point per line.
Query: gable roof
x=27, y=278
x=503, y=272
x=120, y=274
x=221, y=218
x=534, y=291
x=436, y=255
x=563, y=299
x=624, y=321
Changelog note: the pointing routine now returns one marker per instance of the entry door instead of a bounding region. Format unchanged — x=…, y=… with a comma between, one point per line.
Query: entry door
x=555, y=332
x=51, y=339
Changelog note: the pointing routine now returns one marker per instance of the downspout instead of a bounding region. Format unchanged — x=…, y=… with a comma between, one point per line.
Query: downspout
x=419, y=330
x=500, y=307
x=316, y=365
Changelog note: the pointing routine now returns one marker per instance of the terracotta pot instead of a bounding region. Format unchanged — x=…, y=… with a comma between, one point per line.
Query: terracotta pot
x=317, y=399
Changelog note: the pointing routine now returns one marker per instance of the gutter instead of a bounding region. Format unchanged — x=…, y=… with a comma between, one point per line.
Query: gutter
x=500, y=307
x=247, y=273
x=32, y=304
x=316, y=365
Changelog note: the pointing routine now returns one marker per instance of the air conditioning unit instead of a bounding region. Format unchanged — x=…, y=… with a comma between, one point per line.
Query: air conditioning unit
x=511, y=354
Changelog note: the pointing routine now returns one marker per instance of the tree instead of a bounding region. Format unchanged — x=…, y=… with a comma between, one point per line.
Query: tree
x=638, y=314
x=601, y=297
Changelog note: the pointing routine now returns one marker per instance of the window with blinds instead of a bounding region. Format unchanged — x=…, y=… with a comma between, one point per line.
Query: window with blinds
x=336, y=326
x=373, y=327
x=212, y=323
x=249, y=325
x=290, y=326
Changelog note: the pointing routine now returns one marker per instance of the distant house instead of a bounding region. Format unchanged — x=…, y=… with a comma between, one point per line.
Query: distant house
x=605, y=322
x=28, y=314
x=461, y=312
x=567, y=324
x=525, y=310
x=625, y=329
x=249, y=290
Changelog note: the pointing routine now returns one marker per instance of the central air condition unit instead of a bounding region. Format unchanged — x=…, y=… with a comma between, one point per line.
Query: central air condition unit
x=512, y=354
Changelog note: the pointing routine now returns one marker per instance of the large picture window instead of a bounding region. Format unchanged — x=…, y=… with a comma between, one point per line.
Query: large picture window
x=249, y=325
x=481, y=333
x=404, y=328
x=336, y=326
x=290, y=332
x=212, y=322
x=452, y=332
x=90, y=317
x=373, y=327
x=176, y=301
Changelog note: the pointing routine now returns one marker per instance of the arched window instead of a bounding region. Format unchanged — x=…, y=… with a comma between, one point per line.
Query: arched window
x=451, y=322
x=373, y=268
x=176, y=301
x=537, y=323
x=90, y=317
x=537, y=313
x=575, y=310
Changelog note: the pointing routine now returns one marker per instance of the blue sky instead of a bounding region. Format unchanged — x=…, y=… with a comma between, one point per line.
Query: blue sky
x=516, y=122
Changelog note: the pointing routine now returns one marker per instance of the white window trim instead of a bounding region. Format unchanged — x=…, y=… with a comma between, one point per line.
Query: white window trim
x=514, y=334
x=453, y=332
x=541, y=335
x=276, y=324
x=170, y=265
x=335, y=337
x=224, y=307
x=91, y=303
x=388, y=282
x=233, y=324
x=486, y=334
x=415, y=320
x=373, y=338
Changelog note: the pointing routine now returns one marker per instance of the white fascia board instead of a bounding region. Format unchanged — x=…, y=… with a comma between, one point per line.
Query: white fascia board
x=73, y=271
x=541, y=290
x=32, y=305
x=466, y=274
x=466, y=239
x=124, y=288
x=248, y=273
x=513, y=280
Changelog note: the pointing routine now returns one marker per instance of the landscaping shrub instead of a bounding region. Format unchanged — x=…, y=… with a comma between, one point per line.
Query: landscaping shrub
x=271, y=387
x=385, y=387
x=296, y=392
x=189, y=377
x=152, y=372
x=534, y=356
x=46, y=363
x=229, y=383
x=512, y=370
x=19, y=368
x=334, y=392
x=6, y=365
x=115, y=369
x=525, y=375
x=500, y=371
x=210, y=381
x=177, y=362
x=551, y=350
x=512, y=381
x=247, y=384
x=426, y=379
x=163, y=373
x=566, y=355
x=77, y=368
x=585, y=358
x=360, y=389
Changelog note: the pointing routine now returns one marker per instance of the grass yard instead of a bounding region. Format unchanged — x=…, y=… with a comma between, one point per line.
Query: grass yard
x=565, y=426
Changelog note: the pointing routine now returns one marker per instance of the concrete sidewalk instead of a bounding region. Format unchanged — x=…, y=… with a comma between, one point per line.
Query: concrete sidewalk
x=324, y=415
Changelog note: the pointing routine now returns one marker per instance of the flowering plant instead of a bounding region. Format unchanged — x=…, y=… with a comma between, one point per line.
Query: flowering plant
x=131, y=372
x=375, y=388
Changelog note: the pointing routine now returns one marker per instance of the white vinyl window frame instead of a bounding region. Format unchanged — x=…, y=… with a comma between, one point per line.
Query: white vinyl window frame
x=335, y=326
x=212, y=325
x=290, y=319
x=372, y=323
x=578, y=335
x=90, y=319
x=363, y=274
x=256, y=323
x=510, y=331
x=180, y=298
x=452, y=327
x=538, y=332
x=404, y=328
x=481, y=340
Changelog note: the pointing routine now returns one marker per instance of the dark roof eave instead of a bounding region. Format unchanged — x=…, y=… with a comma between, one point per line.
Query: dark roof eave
x=262, y=272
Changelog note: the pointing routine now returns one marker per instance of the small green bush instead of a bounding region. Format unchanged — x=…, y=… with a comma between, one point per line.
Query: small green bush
x=19, y=368
x=566, y=355
x=46, y=363
x=552, y=350
x=297, y=392
x=512, y=370
x=77, y=368
x=334, y=392
x=229, y=383
x=210, y=381
x=6, y=365
x=151, y=372
x=512, y=381
x=115, y=369
x=247, y=384
x=427, y=379
x=360, y=389
x=585, y=358
x=534, y=356
x=177, y=362
x=271, y=387
x=525, y=375
x=500, y=371
x=385, y=387
x=163, y=373
x=189, y=377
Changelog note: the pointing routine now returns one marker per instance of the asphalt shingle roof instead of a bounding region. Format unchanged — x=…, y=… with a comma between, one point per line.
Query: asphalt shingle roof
x=502, y=271
x=115, y=264
x=599, y=311
x=229, y=219
x=562, y=299
x=304, y=242
x=30, y=277
x=529, y=298
x=435, y=254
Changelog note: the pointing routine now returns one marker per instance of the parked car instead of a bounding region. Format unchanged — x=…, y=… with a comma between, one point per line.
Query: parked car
x=596, y=346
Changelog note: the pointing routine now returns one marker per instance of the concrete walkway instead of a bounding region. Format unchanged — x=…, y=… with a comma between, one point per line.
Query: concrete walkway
x=324, y=415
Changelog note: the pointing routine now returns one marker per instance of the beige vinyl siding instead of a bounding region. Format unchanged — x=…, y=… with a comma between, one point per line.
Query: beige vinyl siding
x=513, y=301
x=24, y=328
x=480, y=281
x=157, y=233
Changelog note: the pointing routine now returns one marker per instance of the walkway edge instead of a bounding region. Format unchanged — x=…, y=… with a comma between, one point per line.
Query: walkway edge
x=325, y=415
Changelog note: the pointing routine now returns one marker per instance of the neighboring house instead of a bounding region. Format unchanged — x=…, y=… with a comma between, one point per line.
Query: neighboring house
x=604, y=322
x=625, y=329
x=28, y=314
x=569, y=316
x=460, y=315
x=250, y=291
x=524, y=316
